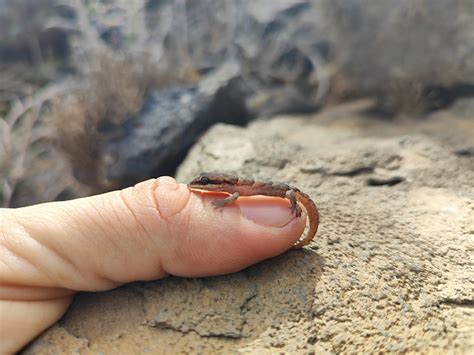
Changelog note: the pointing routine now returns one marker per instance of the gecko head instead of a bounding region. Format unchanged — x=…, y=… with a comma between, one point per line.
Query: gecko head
x=212, y=180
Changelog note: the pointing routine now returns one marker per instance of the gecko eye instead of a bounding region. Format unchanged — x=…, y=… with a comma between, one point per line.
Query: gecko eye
x=204, y=180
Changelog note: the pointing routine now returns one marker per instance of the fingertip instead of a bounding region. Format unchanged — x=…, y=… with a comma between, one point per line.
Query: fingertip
x=234, y=237
x=170, y=196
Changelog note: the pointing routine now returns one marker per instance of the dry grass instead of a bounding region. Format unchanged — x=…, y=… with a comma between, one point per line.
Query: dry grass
x=404, y=98
x=19, y=130
x=113, y=92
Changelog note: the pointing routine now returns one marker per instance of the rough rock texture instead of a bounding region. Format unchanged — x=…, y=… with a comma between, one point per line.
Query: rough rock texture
x=390, y=270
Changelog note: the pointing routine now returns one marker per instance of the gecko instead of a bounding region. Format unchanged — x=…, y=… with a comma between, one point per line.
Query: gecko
x=237, y=187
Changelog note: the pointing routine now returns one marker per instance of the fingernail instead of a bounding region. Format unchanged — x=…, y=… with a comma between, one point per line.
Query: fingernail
x=267, y=211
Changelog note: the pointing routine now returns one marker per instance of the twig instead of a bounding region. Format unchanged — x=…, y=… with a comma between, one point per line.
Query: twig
x=43, y=95
x=30, y=110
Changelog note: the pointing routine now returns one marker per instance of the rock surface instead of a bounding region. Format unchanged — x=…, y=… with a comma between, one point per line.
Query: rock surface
x=389, y=270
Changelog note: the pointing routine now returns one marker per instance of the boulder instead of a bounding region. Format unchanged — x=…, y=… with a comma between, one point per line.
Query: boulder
x=389, y=270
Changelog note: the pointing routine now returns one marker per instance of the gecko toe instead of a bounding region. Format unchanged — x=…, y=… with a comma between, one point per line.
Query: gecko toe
x=217, y=204
x=296, y=209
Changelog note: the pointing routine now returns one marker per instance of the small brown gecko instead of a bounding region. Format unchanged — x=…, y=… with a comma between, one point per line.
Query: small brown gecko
x=237, y=187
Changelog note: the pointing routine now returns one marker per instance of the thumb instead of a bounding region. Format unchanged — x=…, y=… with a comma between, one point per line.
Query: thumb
x=145, y=232
x=155, y=228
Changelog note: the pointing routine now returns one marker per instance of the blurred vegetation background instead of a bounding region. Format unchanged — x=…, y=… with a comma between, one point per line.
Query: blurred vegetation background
x=71, y=69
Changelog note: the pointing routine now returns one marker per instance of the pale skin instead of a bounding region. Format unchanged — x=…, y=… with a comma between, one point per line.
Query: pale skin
x=49, y=252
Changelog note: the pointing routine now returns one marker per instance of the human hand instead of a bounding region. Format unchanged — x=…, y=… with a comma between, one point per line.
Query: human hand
x=154, y=229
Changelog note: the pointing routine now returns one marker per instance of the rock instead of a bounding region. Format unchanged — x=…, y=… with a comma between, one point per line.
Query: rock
x=389, y=269
x=171, y=120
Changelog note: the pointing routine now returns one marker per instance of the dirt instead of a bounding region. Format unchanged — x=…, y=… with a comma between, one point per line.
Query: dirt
x=390, y=270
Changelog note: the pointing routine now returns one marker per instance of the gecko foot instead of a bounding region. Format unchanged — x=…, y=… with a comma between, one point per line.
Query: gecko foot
x=219, y=204
x=296, y=209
